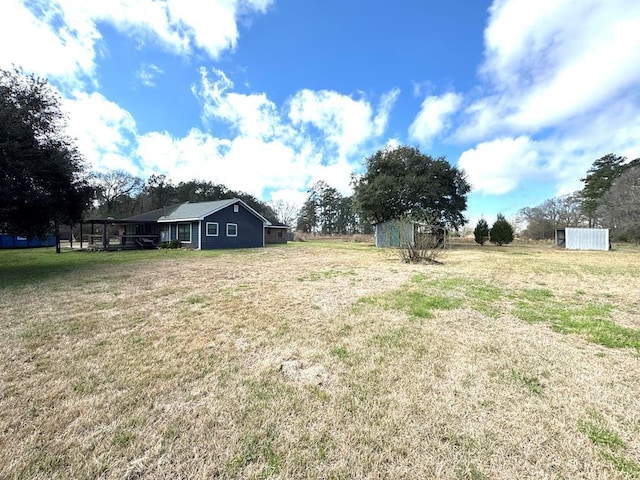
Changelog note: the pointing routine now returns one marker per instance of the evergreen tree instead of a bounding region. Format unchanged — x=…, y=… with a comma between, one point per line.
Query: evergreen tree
x=501, y=232
x=308, y=217
x=481, y=232
x=599, y=179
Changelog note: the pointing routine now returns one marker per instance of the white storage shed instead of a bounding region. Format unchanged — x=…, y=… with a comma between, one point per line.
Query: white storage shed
x=583, y=238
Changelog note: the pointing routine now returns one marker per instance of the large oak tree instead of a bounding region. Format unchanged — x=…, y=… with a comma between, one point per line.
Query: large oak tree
x=403, y=182
x=42, y=175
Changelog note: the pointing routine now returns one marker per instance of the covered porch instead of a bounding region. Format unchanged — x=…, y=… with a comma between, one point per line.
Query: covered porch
x=112, y=234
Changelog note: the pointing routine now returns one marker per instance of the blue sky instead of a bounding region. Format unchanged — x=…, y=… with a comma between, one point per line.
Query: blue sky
x=270, y=96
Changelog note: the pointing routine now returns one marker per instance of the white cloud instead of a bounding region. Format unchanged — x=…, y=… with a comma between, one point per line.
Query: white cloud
x=387, y=101
x=560, y=92
x=67, y=53
x=549, y=62
x=343, y=121
x=247, y=164
x=433, y=118
x=63, y=35
x=147, y=74
x=266, y=152
x=251, y=115
x=177, y=25
x=105, y=133
x=498, y=166
x=269, y=151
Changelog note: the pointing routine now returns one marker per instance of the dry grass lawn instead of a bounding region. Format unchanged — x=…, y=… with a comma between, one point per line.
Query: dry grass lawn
x=330, y=361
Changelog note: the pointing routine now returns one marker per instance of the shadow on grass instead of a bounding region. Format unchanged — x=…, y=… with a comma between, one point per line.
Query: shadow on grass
x=20, y=268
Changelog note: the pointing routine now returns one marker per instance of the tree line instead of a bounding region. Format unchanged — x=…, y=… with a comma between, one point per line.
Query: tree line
x=118, y=194
x=400, y=182
x=610, y=198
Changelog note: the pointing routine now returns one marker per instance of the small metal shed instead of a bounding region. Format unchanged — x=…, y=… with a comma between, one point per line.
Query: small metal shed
x=400, y=233
x=573, y=238
x=393, y=233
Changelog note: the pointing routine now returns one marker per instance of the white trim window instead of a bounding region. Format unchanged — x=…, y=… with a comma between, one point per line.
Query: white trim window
x=212, y=229
x=183, y=232
x=232, y=229
x=236, y=208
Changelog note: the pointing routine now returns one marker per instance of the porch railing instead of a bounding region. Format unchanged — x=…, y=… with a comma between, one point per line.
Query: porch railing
x=123, y=241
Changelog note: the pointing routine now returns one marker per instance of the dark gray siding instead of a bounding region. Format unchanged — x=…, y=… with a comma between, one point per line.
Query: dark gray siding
x=250, y=229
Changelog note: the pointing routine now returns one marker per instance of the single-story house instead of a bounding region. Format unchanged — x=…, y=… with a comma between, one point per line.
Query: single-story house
x=230, y=223
x=583, y=238
x=395, y=233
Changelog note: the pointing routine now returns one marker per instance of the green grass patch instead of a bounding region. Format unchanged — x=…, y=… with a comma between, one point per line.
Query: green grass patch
x=325, y=274
x=259, y=447
x=123, y=438
x=536, y=294
x=602, y=332
x=415, y=303
x=19, y=268
x=340, y=352
x=623, y=464
x=195, y=299
x=599, y=435
x=420, y=305
x=611, y=445
x=532, y=383
x=469, y=471
x=392, y=338
x=480, y=296
x=534, y=312
x=592, y=321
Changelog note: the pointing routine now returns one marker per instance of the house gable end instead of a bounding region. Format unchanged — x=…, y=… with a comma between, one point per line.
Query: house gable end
x=241, y=229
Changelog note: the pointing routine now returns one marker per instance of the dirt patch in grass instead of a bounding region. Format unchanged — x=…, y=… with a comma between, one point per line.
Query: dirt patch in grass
x=323, y=361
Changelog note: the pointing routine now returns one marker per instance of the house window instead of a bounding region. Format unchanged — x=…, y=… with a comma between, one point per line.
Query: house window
x=268, y=231
x=232, y=229
x=280, y=234
x=212, y=229
x=184, y=232
x=236, y=208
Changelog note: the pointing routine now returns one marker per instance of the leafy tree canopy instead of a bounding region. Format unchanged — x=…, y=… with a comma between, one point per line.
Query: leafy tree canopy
x=159, y=191
x=405, y=182
x=542, y=221
x=42, y=175
x=116, y=193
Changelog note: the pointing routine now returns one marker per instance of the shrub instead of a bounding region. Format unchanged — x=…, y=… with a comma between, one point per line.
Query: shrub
x=171, y=244
x=425, y=247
